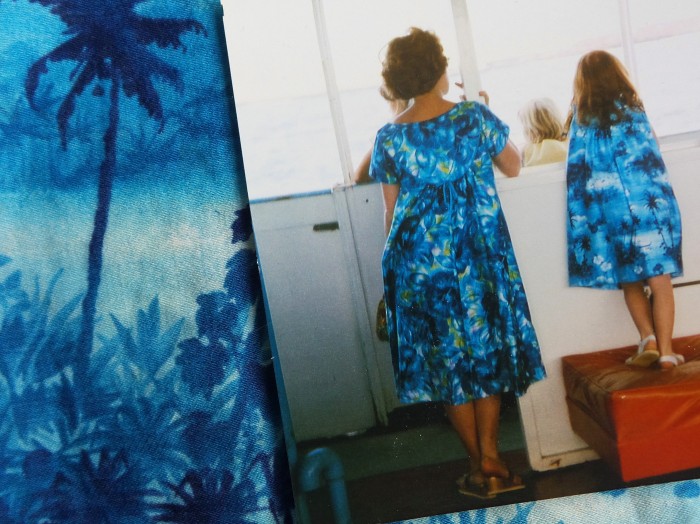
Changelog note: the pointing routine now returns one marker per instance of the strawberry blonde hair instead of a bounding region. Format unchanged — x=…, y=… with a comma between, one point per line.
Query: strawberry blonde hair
x=602, y=90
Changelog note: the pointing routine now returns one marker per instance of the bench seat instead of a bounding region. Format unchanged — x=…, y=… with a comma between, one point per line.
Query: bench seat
x=643, y=422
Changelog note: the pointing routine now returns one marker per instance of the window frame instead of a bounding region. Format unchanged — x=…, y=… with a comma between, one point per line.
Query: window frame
x=468, y=67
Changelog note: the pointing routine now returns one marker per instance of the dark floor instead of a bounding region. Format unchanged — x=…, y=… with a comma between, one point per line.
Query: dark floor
x=430, y=490
x=413, y=490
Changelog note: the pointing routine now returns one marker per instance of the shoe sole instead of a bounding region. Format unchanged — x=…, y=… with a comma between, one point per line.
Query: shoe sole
x=498, y=485
x=473, y=490
x=477, y=492
x=644, y=359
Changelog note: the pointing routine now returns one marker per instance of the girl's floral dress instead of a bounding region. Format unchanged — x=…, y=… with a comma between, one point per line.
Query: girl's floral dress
x=458, y=319
x=624, y=224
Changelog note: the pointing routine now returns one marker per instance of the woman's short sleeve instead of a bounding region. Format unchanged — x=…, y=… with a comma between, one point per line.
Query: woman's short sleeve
x=382, y=167
x=494, y=131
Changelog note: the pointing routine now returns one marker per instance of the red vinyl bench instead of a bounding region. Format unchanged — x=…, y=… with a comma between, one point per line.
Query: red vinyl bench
x=643, y=422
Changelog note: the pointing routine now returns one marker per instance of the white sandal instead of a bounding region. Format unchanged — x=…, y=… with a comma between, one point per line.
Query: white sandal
x=674, y=359
x=645, y=357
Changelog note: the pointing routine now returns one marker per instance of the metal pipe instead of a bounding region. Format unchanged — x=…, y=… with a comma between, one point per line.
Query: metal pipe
x=321, y=467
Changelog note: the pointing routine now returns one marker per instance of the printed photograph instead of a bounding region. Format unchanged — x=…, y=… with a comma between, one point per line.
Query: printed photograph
x=479, y=246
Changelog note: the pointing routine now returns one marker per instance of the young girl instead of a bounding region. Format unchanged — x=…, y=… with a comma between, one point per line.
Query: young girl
x=544, y=131
x=624, y=226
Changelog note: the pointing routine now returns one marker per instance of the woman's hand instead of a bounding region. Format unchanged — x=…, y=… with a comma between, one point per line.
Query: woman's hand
x=485, y=96
x=482, y=94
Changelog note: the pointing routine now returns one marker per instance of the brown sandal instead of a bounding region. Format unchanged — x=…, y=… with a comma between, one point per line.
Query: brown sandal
x=501, y=483
x=496, y=485
x=473, y=484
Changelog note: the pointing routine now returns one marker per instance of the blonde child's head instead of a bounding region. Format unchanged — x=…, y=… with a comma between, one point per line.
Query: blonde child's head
x=541, y=119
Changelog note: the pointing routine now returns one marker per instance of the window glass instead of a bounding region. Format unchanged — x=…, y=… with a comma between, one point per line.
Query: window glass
x=529, y=49
x=284, y=118
x=525, y=49
x=667, y=44
x=359, y=32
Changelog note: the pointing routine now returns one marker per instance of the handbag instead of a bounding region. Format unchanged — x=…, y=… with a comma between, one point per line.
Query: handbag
x=381, y=327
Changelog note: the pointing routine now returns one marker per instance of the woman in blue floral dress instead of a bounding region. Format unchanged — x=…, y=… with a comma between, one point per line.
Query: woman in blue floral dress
x=458, y=320
x=624, y=227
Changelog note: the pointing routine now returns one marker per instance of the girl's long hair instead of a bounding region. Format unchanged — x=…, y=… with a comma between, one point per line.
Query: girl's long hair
x=602, y=90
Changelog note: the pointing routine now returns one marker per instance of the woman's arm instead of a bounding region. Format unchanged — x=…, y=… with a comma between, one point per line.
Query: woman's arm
x=361, y=174
x=390, y=192
x=508, y=160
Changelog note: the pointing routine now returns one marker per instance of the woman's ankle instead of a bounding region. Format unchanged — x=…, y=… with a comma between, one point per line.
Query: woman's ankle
x=493, y=466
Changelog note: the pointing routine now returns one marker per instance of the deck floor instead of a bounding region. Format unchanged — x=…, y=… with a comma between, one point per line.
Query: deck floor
x=386, y=480
x=430, y=490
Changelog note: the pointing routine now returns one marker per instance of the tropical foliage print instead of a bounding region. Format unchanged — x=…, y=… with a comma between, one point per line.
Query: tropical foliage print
x=659, y=503
x=110, y=45
x=118, y=416
x=458, y=319
x=624, y=224
x=156, y=431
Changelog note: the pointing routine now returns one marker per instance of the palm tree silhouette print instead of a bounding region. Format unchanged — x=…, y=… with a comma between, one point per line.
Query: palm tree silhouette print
x=653, y=204
x=109, y=43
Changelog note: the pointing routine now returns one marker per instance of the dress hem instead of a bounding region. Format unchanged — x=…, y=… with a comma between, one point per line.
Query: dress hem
x=613, y=286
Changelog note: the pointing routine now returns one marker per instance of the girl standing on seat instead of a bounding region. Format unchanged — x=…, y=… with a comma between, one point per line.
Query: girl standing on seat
x=624, y=226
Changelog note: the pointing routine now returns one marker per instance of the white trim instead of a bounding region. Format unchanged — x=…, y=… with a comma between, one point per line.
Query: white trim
x=345, y=211
x=341, y=203
x=468, y=65
x=628, y=39
x=341, y=134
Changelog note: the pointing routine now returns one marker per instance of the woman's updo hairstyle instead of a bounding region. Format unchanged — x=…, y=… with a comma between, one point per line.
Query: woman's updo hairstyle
x=413, y=64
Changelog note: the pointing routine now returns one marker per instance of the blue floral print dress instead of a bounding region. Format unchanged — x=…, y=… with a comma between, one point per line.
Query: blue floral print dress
x=458, y=319
x=624, y=224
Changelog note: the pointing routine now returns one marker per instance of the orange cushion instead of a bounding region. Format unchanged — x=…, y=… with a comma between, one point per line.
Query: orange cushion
x=643, y=421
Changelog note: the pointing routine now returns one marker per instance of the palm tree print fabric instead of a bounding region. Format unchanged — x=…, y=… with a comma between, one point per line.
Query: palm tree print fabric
x=658, y=504
x=458, y=319
x=624, y=224
x=134, y=383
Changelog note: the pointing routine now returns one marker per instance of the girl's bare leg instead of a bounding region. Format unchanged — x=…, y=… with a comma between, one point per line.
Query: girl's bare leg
x=663, y=311
x=639, y=307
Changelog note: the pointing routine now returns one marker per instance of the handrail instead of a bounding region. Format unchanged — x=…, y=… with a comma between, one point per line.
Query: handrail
x=544, y=173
